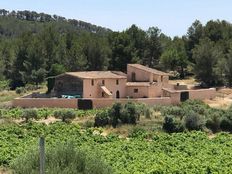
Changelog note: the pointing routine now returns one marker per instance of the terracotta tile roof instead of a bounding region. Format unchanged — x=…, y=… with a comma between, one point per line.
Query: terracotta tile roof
x=98, y=74
x=138, y=84
x=151, y=70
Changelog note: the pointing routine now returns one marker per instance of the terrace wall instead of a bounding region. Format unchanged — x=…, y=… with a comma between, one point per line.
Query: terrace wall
x=202, y=94
x=73, y=103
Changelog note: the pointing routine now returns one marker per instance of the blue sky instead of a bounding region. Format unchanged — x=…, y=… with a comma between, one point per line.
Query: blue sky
x=173, y=17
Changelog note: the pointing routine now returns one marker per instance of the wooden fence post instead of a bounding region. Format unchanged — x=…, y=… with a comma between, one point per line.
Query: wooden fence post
x=42, y=155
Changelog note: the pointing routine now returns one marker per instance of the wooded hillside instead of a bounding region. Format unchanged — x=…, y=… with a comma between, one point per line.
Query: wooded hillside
x=34, y=46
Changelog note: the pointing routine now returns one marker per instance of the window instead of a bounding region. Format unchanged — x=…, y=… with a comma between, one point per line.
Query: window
x=161, y=78
x=117, y=82
x=92, y=82
x=103, y=82
x=136, y=90
x=102, y=94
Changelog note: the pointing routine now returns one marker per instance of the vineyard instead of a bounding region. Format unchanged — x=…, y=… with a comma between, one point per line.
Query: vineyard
x=189, y=152
x=130, y=138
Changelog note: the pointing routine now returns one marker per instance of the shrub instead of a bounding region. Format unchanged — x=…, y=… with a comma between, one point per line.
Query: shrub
x=172, y=124
x=89, y=124
x=30, y=87
x=193, y=121
x=194, y=103
x=197, y=106
x=148, y=113
x=4, y=85
x=20, y=90
x=62, y=158
x=65, y=115
x=173, y=110
x=213, y=123
x=226, y=125
x=138, y=132
x=115, y=113
x=130, y=113
x=44, y=112
x=101, y=119
x=158, y=108
x=29, y=114
x=143, y=109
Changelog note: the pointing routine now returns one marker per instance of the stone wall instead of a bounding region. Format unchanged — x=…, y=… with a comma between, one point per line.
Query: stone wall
x=45, y=102
x=169, y=97
x=199, y=94
x=73, y=103
x=202, y=94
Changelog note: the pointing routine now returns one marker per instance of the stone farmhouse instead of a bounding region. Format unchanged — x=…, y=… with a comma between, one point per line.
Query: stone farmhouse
x=139, y=82
x=96, y=89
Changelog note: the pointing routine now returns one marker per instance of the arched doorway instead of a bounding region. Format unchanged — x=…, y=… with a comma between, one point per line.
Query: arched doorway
x=117, y=94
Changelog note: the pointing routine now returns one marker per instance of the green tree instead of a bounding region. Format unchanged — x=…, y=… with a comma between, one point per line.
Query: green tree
x=175, y=57
x=56, y=69
x=38, y=76
x=97, y=53
x=18, y=67
x=194, y=34
x=121, y=54
x=75, y=58
x=228, y=68
x=127, y=47
x=206, y=57
x=153, y=47
x=7, y=57
x=137, y=38
x=50, y=40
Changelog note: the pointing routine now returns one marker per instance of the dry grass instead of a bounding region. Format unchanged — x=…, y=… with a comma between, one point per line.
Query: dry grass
x=187, y=81
x=225, y=91
x=222, y=100
x=218, y=102
x=6, y=96
x=4, y=170
x=48, y=120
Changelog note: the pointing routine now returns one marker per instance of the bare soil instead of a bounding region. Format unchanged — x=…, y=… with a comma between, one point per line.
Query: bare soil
x=5, y=171
x=48, y=120
x=222, y=100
